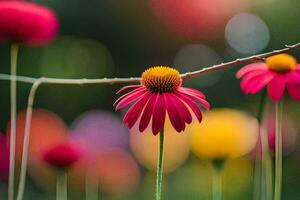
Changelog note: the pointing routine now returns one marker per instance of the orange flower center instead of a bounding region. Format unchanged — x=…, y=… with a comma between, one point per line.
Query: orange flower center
x=281, y=63
x=161, y=79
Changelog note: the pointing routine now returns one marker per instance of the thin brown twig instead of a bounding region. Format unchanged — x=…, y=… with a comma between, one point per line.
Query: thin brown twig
x=258, y=57
x=187, y=75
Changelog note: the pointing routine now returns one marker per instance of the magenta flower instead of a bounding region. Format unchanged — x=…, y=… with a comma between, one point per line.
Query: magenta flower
x=160, y=94
x=4, y=157
x=279, y=72
x=62, y=155
x=27, y=23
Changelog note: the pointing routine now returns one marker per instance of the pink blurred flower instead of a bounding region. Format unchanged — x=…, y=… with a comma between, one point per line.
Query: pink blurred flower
x=27, y=23
x=4, y=158
x=289, y=133
x=62, y=155
x=277, y=73
x=160, y=92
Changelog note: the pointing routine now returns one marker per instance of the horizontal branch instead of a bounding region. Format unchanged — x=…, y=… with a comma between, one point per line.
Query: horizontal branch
x=186, y=75
x=258, y=57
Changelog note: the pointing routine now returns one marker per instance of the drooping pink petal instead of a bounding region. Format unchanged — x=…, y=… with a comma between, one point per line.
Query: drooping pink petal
x=135, y=110
x=253, y=74
x=249, y=68
x=128, y=87
x=147, y=113
x=202, y=101
x=276, y=87
x=258, y=83
x=294, y=91
x=182, y=109
x=174, y=114
x=191, y=91
x=130, y=98
x=298, y=67
x=159, y=114
x=127, y=94
x=293, y=77
x=192, y=105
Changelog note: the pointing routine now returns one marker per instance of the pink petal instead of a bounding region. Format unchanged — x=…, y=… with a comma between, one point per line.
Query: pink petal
x=202, y=101
x=249, y=68
x=135, y=110
x=191, y=91
x=192, y=105
x=147, y=113
x=183, y=111
x=258, y=83
x=130, y=98
x=128, y=87
x=276, y=87
x=251, y=75
x=159, y=115
x=293, y=77
x=294, y=91
x=127, y=94
x=173, y=113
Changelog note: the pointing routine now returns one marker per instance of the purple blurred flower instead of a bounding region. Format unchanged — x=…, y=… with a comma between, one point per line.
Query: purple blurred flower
x=100, y=131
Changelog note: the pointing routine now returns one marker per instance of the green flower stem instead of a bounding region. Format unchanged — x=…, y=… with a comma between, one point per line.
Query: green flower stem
x=217, y=171
x=62, y=185
x=160, y=166
x=13, y=116
x=267, y=168
x=91, y=185
x=278, y=151
x=263, y=187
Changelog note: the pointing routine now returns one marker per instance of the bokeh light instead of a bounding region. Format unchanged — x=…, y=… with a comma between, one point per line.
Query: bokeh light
x=197, y=56
x=71, y=57
x=247, y=33
x=195, y=19
x=47, y=129
x=224, y=134
x=100, y=131
x=145, y=147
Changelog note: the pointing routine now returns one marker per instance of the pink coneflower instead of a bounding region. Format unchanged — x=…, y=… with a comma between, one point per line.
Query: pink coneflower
x=27, y=23
x=278, y=72
x=161, y=93
x=61, y=156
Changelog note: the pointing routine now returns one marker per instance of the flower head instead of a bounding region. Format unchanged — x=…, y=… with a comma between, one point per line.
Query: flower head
x=61, y=156
x=277, y=73
x=27, y=23
x=224, y=134
x=159, y=94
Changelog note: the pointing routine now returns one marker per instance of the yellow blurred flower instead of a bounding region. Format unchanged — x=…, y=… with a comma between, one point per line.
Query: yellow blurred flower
x=224, y=134
x=145, y=147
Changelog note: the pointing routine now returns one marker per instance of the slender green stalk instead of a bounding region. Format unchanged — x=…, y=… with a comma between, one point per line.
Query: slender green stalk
x=62, y=185
x=278, y=151
x=91, y=185
x=267, y=168
x=263, y=186
x=217, y=171
x=216, y=184
x=13, y=116
x=160, y=166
